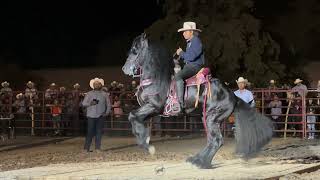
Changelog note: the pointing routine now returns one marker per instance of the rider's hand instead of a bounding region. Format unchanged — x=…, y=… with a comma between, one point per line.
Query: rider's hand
x=179, y=51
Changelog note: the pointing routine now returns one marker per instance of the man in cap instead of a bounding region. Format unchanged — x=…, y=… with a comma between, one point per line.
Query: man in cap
x=300, y=88
x=98, y=106
x=243, y=93
x=193, y=58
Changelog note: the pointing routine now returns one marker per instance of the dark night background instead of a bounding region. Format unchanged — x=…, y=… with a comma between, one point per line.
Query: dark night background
x=50, y=34
x=42, y=34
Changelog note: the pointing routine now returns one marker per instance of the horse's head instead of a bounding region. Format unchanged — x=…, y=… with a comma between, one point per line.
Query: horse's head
x=136, y=55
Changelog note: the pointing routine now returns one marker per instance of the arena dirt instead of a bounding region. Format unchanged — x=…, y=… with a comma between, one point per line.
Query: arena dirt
x=171, y=151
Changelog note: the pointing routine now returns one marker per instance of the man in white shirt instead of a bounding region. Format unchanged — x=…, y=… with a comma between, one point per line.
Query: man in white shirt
x=300, y=88
x=243, y=93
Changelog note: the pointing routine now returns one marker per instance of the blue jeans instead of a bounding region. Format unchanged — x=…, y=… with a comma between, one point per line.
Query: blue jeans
x=95, y=128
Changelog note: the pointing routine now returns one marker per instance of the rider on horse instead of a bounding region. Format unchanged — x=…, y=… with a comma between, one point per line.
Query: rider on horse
x=193, y=58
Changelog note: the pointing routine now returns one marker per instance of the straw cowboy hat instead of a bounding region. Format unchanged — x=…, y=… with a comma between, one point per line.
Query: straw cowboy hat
x=134, y=82
x=272, y=81
x=76, y=85
x=19, y=95
x=297, y=81
x=241, y=80
x=189, y=26
x=53, y=84
x=30, y=83
x=113, y=83
x=3, y=84
x=101, y=81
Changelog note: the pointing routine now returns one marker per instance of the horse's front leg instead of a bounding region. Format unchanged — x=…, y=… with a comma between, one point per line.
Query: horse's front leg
x=137, y=119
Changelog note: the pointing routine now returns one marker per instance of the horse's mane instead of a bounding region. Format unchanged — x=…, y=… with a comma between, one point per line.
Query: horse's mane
x=158, y=64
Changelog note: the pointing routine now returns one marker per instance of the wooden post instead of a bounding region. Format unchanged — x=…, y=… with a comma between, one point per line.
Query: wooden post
x=286, y=121
x=32, y=116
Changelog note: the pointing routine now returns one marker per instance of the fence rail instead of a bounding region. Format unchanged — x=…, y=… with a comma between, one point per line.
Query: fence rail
x=34, y=115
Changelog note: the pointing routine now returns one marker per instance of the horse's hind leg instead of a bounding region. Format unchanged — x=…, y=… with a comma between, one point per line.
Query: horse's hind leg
x=215, y=140
x=142, y=134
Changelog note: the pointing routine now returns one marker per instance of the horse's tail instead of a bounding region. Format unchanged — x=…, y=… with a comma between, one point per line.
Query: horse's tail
x=253, y=130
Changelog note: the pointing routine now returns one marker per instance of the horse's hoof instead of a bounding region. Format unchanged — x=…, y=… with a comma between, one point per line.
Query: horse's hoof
x=190, y=159
x=199, y=163
x=151, y=150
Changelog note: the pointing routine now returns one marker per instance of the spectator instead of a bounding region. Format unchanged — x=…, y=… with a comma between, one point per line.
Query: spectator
x=5, y=88
x=114, y=86
x=295, y=112
x=62, y=94
x=20, y=110
x=6, y=100
x=300, y=88
x=20, y=104
x=76, y=91
x=133, y=86
x=118, y=113
x=30, y=91
x=51, y=93
x=272, y=87
x=56, y=111
x=98, y=106
x=311, y=120
x=276, y=111
x=243, y=93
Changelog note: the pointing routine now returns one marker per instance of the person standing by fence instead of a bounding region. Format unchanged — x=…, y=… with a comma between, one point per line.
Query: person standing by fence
x=98, y=106
x=243, y=93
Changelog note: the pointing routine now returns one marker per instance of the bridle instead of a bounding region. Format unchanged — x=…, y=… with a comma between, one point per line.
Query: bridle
x=135, y=65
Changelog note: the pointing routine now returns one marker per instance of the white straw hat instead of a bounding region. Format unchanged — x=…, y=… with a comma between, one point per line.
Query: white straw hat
x=189, y=26
x=101, y=81
x=241, y=80
x=297, y=81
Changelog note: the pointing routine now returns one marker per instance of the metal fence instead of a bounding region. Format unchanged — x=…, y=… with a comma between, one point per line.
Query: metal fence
x=34, y=116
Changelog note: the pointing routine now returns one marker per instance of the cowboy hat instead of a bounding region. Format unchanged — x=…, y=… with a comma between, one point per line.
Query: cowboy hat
x=114, y=82
x=76, y=85
x=30, y=82
x=53, y=84
x=19, y=95
x=241, y=80
x=5, y=83
x=189, y=26
x=297, y=81
x=101, y=81
x=133, y=82
x=272, y=81
x=62, y=88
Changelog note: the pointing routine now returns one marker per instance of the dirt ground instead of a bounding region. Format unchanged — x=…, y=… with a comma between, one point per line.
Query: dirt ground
x=121, y=153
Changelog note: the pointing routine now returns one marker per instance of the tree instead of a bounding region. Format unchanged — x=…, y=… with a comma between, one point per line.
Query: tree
x=235, y=43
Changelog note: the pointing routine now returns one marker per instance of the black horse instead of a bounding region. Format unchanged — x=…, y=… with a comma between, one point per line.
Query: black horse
x=153, y=64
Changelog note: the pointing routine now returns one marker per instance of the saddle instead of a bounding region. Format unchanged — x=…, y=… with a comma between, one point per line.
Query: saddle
x=172, y=106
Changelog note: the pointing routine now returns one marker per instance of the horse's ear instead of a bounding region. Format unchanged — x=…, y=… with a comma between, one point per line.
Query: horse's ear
x=144, y=35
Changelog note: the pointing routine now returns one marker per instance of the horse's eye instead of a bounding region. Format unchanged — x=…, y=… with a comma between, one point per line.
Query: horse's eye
x=134, y=51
